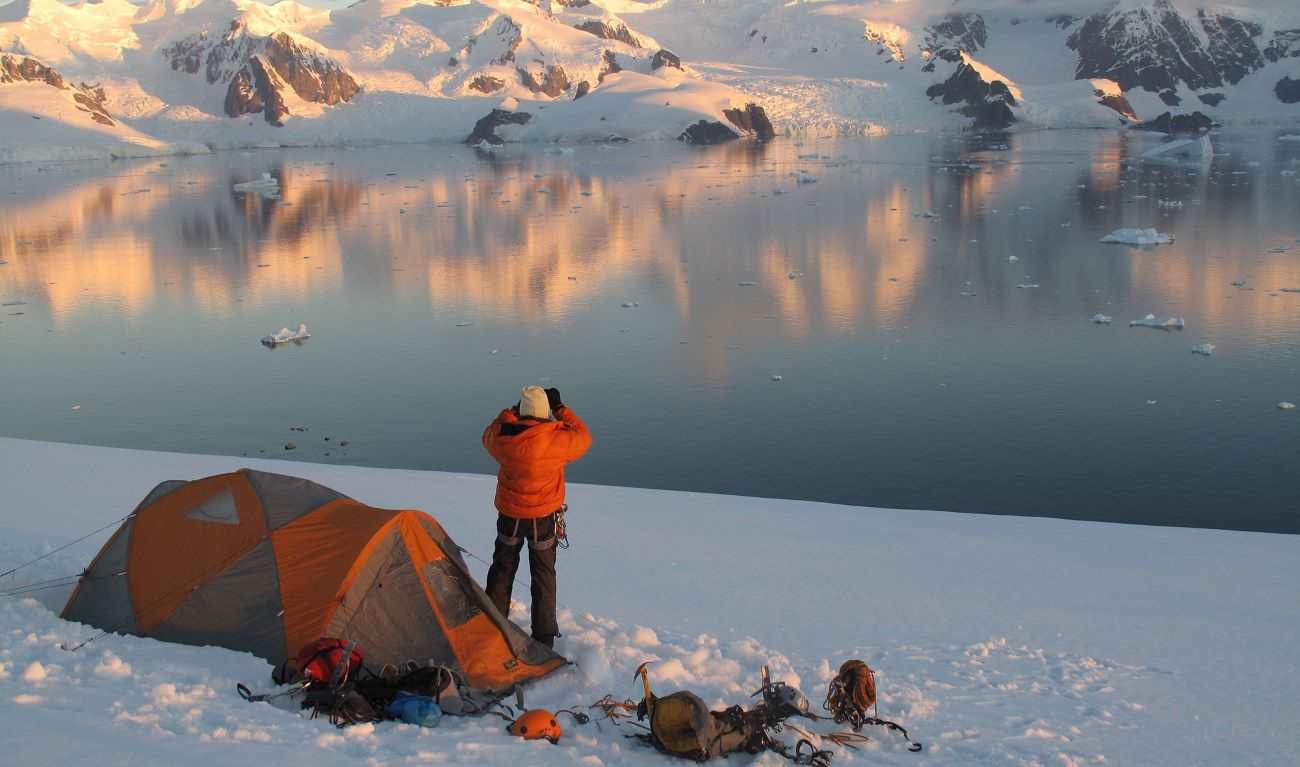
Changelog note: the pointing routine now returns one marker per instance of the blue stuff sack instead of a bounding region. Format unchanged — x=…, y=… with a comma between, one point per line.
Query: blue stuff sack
x=414, y=709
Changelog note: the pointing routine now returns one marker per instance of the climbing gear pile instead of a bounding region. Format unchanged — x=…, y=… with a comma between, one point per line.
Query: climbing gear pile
x=330, y=680
x=852, y=693
x=682, y=725
x=321, y=682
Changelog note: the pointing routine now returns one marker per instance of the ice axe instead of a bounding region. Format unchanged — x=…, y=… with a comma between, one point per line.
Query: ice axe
x=647, y=704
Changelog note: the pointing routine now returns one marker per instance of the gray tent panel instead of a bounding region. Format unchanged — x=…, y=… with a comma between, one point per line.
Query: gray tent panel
x=385, y=611
x=460, y=598
x=219, y=509
x=286, y=498
x=103, y=599
x=239, y=609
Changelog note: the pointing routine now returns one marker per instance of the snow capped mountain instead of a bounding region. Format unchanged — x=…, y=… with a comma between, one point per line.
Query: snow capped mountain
x=1159, y=48
x=262, y=70
x=240, y=72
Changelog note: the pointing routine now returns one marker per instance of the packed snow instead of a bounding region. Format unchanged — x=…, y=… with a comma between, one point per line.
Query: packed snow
x=1138, y=237
x=998, y=640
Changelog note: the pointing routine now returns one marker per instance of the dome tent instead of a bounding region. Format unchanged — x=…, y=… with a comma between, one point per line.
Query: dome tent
x=266, y=563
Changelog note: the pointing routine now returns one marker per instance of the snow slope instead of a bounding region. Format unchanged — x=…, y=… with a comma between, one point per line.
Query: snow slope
x=1000, y=640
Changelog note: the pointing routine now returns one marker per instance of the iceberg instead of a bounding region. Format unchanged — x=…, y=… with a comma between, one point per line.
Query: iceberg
x=1138, y=237
x=1182, y=149
x=1150, y=321
x=285, y=336
x=1101, y=319
x=1204, y=350
x=267, y=184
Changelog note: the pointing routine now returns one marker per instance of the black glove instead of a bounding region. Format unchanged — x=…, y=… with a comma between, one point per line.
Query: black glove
x=553, y=397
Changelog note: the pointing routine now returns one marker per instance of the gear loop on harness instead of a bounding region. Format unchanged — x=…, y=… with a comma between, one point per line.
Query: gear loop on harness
x=561, y=527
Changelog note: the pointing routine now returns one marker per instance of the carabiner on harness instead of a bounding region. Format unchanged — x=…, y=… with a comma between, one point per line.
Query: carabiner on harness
x=561, y=528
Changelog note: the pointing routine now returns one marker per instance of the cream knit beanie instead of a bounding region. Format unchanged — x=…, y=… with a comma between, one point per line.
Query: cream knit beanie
x=534, y=402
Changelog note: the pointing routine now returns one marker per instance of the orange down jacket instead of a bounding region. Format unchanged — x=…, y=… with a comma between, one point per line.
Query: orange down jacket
x=532, y=454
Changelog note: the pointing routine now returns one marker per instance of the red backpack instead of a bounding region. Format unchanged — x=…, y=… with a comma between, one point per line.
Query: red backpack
x=319, y=661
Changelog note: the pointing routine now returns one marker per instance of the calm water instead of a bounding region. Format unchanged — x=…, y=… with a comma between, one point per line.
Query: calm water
x=436, y=281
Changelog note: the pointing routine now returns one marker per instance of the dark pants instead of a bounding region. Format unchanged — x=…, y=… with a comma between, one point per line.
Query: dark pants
x=540, y=534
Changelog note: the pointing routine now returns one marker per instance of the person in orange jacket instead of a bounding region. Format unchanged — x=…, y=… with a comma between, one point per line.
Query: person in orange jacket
x=532, y=442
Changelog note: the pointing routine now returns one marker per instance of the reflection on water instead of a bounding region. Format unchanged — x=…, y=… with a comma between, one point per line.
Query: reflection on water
x=662, y=288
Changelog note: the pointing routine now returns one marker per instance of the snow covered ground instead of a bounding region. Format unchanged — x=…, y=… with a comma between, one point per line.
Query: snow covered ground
x=999, y=640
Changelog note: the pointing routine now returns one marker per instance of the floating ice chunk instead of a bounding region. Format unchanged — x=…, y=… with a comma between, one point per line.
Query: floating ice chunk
x=1279, y=249
x=794, y=275
x=464, y=324
x=1101, y=319
x=286, y=335
x=1013, y=259
x=1204, y=350
x=629, y=304
x=564, y=150
x=1150, y=321
x=776, y=378
x=1138, y=237
x=803, y=177
x=1286, y=406
x=1182, y=149
x=1026, y=285
x=1289, y=137
x=267, y=184
x=1170, y=203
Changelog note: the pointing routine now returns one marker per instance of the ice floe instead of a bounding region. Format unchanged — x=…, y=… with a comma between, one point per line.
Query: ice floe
x=1150, y=321
x=1101, y=319
x=1138, y=237
x=1181, y=149
x=267, y=184
x=1204, y=350
x=285, y=336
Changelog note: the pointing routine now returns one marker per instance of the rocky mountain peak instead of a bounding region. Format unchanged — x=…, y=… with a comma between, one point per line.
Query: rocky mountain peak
x=259, y=70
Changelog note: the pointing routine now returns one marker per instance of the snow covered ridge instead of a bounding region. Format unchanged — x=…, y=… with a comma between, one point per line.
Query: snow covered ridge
x=376, y=71
x=231, y=73
x=998, y=640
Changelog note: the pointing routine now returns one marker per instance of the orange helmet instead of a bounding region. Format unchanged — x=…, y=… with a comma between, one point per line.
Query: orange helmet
x=537, y=724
